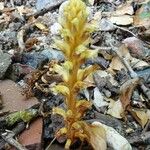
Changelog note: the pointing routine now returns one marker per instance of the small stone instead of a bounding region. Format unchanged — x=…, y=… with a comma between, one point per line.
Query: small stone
x=17, y=71
x=106, y=25
x=13, y=99
x=53, y=54
x=35, y=60
x=32, y=138
x=5, y=61
x=136, y=47
x=40, y=4
x=55, y=28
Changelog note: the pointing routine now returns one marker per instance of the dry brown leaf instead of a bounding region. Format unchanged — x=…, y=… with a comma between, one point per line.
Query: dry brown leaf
x=138, y=64
x=97, y=137
x=124, y=10
x=114, y=139
x=126, y=92
x=122, y=20
x=115, y=109
x=116, y=64
x=141, y=116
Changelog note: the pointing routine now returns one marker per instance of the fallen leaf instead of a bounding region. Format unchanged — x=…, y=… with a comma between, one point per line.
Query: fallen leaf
x=126, y=92
x=115, y=109
x=141, y=116
x=116, y=64
x=124, y=10
x=99, y=99
x=122, y=20
x=97, y=136
x=138, y=64
x=114, y=139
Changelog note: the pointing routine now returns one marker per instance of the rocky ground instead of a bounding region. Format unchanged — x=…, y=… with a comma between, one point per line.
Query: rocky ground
x=119, y=90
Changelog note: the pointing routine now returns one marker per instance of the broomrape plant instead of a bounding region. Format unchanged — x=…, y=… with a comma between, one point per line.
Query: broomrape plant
x=74, y=41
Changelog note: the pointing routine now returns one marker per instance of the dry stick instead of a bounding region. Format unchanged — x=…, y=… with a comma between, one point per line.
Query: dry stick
x=124, y=29
x=48, y=147
x=46, y=9
x=8, y=137
x=133, y=74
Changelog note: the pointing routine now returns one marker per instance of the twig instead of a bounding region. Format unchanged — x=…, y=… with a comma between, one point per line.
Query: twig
x=8, y=137
x=48, y=147
x=21, y=41
x=19, y=128
x=45, y=10
x=100, y=48
x=121, y=28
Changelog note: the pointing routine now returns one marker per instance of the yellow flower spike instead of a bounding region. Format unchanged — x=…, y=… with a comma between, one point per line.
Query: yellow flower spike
x=75, y=34
x=61, y=89
x=68, y=143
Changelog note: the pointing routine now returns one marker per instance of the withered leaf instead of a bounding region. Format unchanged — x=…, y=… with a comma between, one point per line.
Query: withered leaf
x=97, y=136
x=141, y=116
x=126, y=91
